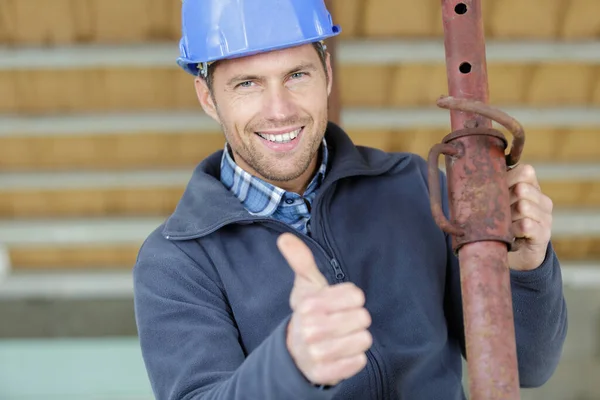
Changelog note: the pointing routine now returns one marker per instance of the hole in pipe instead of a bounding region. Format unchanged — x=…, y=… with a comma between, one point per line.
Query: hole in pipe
x=465, y=68
x=460, y=8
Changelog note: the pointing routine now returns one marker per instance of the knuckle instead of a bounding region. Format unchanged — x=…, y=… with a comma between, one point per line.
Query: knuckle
x=354, y=365
x=365, y=317
x=358, y=295
x=527, y=225
x=309, y=305
x=310, y=334
x=521, y=189
x=361, y=361
x=528, y=171
x=524, y=207
x=316, y=354
x=366, y=339
x=549, y=203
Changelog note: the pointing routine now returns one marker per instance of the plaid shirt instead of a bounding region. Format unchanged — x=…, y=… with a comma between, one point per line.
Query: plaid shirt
x=263, y=199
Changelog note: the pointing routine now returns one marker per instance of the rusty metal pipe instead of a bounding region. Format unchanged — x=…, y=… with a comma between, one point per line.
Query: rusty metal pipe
x=479, y=205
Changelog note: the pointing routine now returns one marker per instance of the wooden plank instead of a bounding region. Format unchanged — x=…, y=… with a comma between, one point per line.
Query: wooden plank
x=8, y=88
x=573, y=193
x=533, y=19
x=347, y=14
x=123, y=89
x=186, y=149
x=364, y=85
x=509, y=83
x=596, y=89
x=107, y=152
x=377, y=139
x=103, y=89
x=562, y=84
x=393, y=18
x=582, y=20
x=123, y=256
x=36, y=22
x=542, y=144
x=577, y=248
x=418, y=85
x=77, y=257
x=64, y=22
x=72, y=203
x=136, y=21
x=161, y=201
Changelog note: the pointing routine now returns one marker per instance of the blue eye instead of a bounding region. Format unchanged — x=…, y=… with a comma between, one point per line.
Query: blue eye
x=245, y=84
x=298, y=74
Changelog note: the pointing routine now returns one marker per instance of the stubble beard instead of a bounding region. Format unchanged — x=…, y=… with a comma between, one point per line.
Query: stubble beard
x=269, y=167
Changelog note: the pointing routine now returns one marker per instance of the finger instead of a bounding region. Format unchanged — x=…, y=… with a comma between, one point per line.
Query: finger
x=318, y=327
x=530, y=230
x=342, y=347
x=523, y=173
x=525, y=191
x=301, y=260
x=344, y=296
x=332, y=373
x=528, y=209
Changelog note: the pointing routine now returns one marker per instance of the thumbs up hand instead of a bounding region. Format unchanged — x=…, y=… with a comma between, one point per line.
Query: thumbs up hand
x=327, y=335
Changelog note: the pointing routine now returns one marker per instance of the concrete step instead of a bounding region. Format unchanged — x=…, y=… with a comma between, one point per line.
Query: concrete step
x=133, y=78
x=135, y=141
x=55, y=318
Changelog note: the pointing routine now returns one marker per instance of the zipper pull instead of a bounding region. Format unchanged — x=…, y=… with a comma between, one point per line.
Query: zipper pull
x=339, y=274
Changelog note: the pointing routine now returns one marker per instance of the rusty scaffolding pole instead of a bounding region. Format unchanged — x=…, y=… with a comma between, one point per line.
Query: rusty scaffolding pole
x=479, y=205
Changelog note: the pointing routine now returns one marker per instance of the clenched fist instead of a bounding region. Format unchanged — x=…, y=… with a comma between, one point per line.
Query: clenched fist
x=328, y=333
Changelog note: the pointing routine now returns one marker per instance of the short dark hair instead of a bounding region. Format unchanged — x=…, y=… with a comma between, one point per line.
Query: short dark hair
x=319, y=47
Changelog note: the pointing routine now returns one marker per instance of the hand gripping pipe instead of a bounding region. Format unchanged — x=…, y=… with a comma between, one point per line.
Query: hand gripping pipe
x=480, y=217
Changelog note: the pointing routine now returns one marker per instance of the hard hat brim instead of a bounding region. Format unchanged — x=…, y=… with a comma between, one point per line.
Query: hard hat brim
x=191, y=66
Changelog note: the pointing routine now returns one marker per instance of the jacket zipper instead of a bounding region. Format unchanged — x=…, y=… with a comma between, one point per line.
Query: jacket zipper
x=338, y=273
x=337, y=268
x=378, y=374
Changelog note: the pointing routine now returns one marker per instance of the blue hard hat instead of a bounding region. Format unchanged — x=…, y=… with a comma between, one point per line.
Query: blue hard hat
x=213, y=30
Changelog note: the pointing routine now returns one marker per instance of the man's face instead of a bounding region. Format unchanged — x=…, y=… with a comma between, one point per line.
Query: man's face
x=273, y=110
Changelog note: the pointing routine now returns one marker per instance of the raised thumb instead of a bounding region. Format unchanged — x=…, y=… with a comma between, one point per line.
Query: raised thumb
x=301, y=260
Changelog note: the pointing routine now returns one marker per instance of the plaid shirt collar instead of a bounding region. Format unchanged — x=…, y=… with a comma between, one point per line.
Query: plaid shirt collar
x=264, y=199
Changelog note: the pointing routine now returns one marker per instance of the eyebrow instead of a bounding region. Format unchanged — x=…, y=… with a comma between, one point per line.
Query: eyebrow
x=243, y=78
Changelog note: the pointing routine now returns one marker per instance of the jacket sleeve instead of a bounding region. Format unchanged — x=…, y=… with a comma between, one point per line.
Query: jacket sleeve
x=189, y=340
x=539, y=309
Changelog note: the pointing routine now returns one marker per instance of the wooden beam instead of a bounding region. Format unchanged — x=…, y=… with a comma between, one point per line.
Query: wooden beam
x=90, y=257
x=135, y=89
x=186, y=149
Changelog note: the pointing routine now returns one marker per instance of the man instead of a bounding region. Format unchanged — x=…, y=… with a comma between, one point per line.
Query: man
x=300, y=266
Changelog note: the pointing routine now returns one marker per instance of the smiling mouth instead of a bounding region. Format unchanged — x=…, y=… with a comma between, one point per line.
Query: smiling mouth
x=281, y=137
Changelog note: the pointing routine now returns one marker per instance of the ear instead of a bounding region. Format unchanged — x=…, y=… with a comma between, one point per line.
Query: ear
x=329, y=72
x=206, y=99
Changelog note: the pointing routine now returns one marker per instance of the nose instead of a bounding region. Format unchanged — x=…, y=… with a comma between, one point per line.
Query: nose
x=278, y=103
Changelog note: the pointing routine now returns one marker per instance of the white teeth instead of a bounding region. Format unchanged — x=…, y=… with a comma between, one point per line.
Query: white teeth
x=283, y=138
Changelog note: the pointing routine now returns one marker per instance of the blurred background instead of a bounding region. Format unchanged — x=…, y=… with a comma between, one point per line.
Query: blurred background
x=99, y=133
